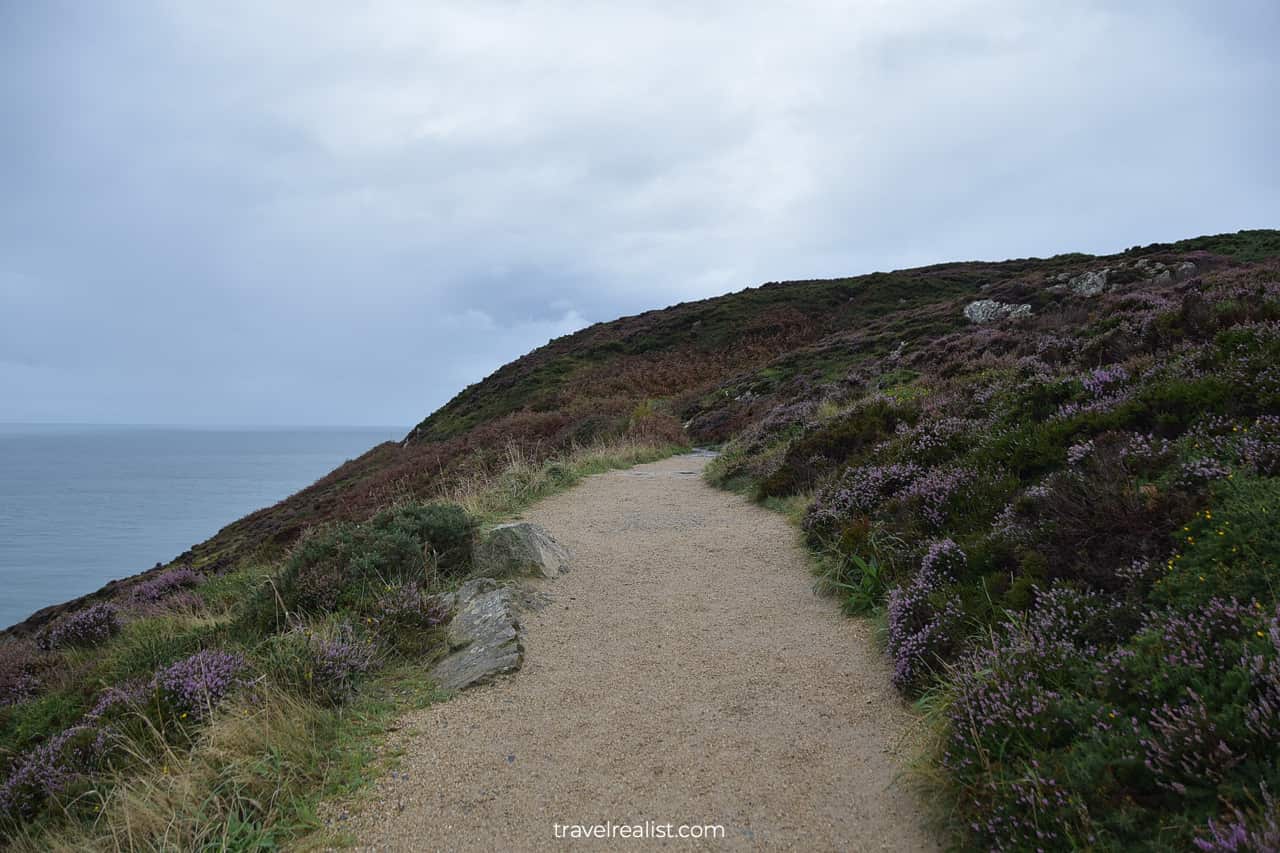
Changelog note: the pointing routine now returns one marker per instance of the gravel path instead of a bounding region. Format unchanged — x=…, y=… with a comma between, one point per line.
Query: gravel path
x=683, y=673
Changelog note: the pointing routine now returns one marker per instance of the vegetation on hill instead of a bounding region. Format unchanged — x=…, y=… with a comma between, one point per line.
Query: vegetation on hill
x=1067, y=523
x=1062, y=516
x=213, y=712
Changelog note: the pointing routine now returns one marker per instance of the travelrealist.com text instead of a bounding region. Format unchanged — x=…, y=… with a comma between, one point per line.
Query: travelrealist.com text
x=648, y=829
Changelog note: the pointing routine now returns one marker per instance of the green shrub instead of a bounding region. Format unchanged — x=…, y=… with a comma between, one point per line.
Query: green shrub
x=349, y=567
x=444, y=529
x=833, y=445
x=27, y=723
x=1230, y=548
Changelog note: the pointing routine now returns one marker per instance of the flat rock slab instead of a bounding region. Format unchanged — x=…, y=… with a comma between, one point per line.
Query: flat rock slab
x=520, y=549
x=484, y=636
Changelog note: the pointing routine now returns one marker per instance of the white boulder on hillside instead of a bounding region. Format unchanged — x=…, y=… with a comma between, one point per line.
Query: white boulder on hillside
x=520, y=548
x=989, y=310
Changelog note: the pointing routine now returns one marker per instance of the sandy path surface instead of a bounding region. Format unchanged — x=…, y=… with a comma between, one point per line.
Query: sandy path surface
x=684, y=673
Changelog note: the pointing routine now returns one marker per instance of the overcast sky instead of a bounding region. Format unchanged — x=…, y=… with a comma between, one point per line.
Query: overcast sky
x=310, y=213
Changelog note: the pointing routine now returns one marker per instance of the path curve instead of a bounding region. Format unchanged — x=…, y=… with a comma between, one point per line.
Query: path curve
x=684, y=673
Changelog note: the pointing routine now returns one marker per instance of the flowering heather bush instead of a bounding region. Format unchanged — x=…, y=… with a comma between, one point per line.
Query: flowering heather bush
x=406, y=618
x=19, y=660
x=1260, y=446
x=1262, y=714
x=934, y=492
x=52, y=769
x=1245, y=833
x=944, y=559
x=87, y=627
x=936, y=438
x=1203, y=470
x=64, y=762
x=859, y=490
x=922, y=633
x=322, y=662
x=1099, y=405
x=164, y=585
x=1187, y=747
x=192, y=688
x=1140, y=451
x=337, y=661
x=1010, y=704
x=1206, y=638
x=1021, y=517
x=1103, y=380
x=1077, y=453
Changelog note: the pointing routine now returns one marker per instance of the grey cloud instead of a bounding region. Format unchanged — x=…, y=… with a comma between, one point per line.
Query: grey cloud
x=301, y=212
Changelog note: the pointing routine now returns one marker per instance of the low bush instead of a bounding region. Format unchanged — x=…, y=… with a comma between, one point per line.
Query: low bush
x=19, y=670
x=89, y=627
x=407, y=620
x=445, y=530
x=323, y=662
x=814, y=454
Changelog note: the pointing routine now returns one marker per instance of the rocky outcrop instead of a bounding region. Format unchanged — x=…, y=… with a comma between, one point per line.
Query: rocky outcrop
x=989, y=310
x=483, y=636
x=1089, y=283
x=1094, y=282
x=520, y=549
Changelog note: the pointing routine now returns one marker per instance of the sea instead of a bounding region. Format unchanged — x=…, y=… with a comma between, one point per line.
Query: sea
x=82, y=505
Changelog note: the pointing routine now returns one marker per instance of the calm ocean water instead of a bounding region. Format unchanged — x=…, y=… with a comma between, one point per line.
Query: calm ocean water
x=80, y=505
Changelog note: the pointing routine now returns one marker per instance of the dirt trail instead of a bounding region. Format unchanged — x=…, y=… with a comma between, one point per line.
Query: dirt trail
x=684, y=673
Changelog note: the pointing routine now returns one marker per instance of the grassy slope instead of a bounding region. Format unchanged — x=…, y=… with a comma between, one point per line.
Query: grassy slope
x=252, y=775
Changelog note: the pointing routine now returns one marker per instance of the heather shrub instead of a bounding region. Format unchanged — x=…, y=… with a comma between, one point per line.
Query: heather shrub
x=407, y=620
x=1098, y=518
x=19, y=667
x=347, y=567
x=444, y=529
x=1016, y=701
x=859, y=491
x=190, y=690
x=1241, y=831
x=935, y=494
x=925, y=628
x=322, y=662
x=1117, y=733
x=88, y=627
x=943, y=558
x=833, y=444
x=171, y=590
x=57, y=768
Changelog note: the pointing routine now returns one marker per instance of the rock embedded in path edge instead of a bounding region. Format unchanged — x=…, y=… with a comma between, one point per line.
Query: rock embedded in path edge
x=520, y=548
x=484, y=636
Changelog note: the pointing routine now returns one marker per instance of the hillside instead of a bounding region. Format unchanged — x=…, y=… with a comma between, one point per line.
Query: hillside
x=1053, y=480
x=714, y=366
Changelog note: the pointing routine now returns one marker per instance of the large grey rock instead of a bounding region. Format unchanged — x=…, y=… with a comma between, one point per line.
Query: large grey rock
x=1089, y=283
x=1185, y=270
x=483, y=636
x=520, y=548
x=989, y=310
